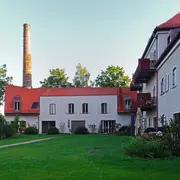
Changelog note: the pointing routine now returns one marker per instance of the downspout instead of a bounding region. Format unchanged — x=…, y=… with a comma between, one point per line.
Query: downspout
x=157, y=99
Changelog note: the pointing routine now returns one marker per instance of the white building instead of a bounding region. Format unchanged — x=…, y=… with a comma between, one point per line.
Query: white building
x=69, y=108
x=156, y=77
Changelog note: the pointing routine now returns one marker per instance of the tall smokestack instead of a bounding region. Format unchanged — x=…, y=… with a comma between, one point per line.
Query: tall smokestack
x=27, y=77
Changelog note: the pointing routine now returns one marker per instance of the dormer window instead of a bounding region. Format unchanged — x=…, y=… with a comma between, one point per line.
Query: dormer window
x=168, y=39
x=128, y=104
x=17, y=103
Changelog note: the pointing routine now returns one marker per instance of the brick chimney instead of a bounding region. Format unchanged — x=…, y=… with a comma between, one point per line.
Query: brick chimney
x=27, y=77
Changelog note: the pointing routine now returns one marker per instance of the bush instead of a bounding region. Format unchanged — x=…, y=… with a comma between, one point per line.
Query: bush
x=53, y=130
x=155, y=148
x=31, y=130
x=124, y=131
x=81, y=130
x=9, y=130
x=150, y=130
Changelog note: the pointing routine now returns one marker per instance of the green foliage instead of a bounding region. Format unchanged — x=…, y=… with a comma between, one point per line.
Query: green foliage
x=113, y=76
x=154, y=148
x=4, y=79
x=16, y=123
x=171, y=135
x=81, y=130
x=124, y=131
x=57, y=79
x=31, y=130
x=9, y=130
x=6, y=130
x=53, y=130
x=81, y=77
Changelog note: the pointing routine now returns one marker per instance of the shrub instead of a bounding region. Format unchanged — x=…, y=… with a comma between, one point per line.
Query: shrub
x=92, y=127
x=31, y=130
x=150, y=130
x=124, y=131
x=81, y=130
x=9, y=130
x=53, y=130
x=143, y=148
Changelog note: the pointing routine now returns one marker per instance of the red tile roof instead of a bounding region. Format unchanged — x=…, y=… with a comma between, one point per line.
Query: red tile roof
x=173, y=22
x=28, y=96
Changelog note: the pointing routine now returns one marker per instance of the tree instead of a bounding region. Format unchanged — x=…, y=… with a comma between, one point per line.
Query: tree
x=81, y=78
x=113, y=76
x=4, y=79
x=57, y=79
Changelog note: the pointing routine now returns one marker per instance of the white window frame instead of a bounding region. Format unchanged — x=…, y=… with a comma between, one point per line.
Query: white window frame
x=174, y=77
x=85, y=108
x=17, y=105
x=71, y=108
x=128, y=104
x=167, y=82
x=52, y=109
x=162, y=86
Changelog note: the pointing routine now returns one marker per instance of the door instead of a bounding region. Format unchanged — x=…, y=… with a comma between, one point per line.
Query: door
x=77, y=124
x=46, y=125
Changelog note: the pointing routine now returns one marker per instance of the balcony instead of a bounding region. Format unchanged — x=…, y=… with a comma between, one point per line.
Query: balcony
x=136, y=86
x=144, y=101
x=144, y=70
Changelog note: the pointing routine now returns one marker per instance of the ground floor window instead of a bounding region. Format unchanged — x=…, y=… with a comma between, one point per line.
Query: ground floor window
x=108, y=126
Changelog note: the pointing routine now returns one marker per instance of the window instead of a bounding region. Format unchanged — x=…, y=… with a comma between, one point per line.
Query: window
x=52, y=109
x=149, y=122
x=127, y=104
x=71, y=108
x=174, y=78
x=165, y=84
x=162, y=86
x=168, y=82
x=104, y=108
x=34, y=105
x=168, y=40
x=85, y=108
x=17, y=106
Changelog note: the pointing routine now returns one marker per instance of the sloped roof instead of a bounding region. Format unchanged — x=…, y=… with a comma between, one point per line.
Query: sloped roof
x=173, y=22
x=28, y=96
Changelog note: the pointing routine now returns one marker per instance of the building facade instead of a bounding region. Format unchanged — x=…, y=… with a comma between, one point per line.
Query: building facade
x=156, y=77
x=69, y=108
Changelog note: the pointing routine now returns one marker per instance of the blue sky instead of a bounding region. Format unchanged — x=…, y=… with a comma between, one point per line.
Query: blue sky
x=95, y=33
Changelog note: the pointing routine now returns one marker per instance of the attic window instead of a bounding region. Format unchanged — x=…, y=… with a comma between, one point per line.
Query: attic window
x=168, y=39
x=17, y=103
x=34, y=105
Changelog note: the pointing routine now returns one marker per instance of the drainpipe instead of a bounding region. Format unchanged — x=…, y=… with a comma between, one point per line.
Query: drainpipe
x=157, y=99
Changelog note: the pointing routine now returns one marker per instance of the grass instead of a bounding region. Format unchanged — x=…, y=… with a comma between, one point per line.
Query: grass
x=21, y=138
x=82, y=157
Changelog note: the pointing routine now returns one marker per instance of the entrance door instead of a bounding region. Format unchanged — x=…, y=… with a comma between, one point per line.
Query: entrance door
x=77, y=124
x=46, y=125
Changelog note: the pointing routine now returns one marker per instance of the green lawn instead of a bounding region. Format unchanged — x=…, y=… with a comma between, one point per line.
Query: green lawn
x=21, y=138
x=82, y=157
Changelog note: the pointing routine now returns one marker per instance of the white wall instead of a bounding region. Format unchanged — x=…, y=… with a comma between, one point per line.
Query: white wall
x=94, y=116
x=169, y=102
x=30, y=120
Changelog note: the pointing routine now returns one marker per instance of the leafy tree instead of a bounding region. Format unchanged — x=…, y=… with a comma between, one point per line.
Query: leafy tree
x=57, y=79
x=113, y=76
x=81, y=78
x=16, y=123
x=4, y=79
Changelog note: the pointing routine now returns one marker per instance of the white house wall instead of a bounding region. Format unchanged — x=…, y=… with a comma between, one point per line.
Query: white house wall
x=93, y=117
x=30, y=120
x=169, y=102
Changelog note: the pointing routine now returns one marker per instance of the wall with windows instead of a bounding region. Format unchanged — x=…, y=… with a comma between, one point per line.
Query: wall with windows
x=92, y=109
x=169, y=84
x=30, y=120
